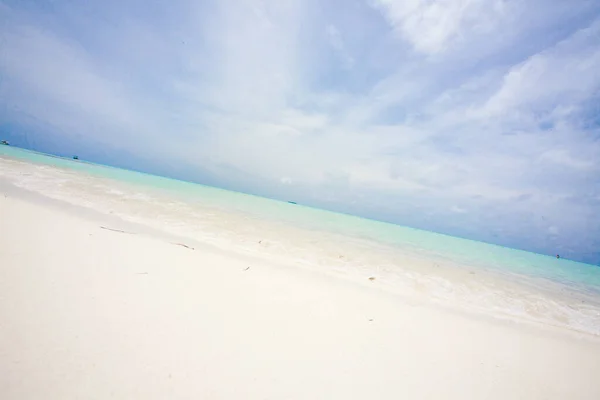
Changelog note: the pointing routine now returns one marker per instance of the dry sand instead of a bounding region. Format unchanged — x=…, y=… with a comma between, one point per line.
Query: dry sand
x=94, y=313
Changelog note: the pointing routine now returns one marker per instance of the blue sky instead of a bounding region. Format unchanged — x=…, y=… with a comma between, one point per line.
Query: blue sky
x=474, y=118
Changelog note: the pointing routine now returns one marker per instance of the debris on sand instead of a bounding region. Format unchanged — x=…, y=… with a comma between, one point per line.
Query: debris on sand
x=116, y=230
x=183, y=245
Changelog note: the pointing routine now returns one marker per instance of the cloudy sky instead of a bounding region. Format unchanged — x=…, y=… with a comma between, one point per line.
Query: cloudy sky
x=477, y=118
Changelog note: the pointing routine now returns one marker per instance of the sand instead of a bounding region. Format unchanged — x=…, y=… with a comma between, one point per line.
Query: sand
x=95, y=313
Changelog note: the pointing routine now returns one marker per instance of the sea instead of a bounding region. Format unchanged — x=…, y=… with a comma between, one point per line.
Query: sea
x=447, y=271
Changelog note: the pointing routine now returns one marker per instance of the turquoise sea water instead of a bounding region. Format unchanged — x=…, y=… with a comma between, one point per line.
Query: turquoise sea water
x=578, y=275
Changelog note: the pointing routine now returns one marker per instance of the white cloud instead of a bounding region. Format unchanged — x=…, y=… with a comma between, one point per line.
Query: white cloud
x=61, y=72
x=566, y=73
x=432, y=26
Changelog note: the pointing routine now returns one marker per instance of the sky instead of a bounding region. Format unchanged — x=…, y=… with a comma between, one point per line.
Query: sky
x=475, y=118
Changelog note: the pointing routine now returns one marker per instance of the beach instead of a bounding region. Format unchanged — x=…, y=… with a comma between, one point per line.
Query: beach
x=96, y=306
x=307, y=200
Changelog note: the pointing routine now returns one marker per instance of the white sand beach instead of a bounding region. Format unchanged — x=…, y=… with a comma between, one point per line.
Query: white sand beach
x=95, y=309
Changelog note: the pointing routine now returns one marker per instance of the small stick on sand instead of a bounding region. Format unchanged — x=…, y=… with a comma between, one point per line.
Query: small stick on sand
x=183, y=245
x=116, y=230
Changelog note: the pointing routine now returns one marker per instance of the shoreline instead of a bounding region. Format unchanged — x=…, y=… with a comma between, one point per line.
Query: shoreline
x=441, y=281
x=429, y=278
x=464, y=278
x=68, y=163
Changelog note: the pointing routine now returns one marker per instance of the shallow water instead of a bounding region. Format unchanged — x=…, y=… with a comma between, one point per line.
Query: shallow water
x=440, y=268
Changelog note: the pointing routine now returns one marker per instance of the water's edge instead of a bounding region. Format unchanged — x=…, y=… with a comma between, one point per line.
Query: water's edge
x=477, y=276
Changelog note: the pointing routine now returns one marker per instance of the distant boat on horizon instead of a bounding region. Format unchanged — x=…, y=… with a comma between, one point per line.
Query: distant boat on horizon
x=75, y=158
x=292, y=202
x=5, y=142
